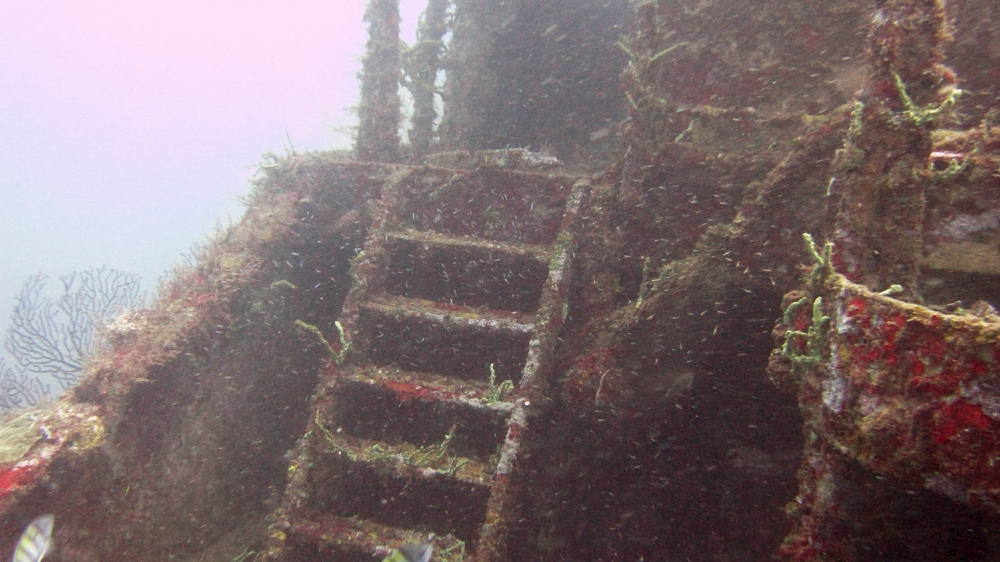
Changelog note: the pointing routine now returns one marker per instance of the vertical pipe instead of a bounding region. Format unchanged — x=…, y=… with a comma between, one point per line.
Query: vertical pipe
x=379, y=112
x=421, y=64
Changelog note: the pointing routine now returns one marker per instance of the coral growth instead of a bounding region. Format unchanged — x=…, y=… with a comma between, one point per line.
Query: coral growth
x=624, y=317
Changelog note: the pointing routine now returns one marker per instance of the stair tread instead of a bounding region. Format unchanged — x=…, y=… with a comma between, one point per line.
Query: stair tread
x=409, y=461
x=536, y=251
x=327, y=532
x=414, y=385
x=392, y=405
x=465, y=270
x=481, y=317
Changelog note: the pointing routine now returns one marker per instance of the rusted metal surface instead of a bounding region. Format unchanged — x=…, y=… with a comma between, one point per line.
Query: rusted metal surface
x=738, y=127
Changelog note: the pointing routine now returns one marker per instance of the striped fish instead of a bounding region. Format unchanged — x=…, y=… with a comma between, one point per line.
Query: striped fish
x=35, y=540
x=413, y=552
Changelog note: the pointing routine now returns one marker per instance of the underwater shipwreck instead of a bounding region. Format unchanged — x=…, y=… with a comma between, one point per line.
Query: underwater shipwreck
x=650, y=280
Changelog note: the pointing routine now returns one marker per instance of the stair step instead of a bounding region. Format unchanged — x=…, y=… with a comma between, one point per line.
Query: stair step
x=407, y=460
x=394, y=406
x=342, y=539
x=482, y=245
x=495, y=204
x=399, y=485
x=412, y=385
x=465, y=270
x=453, y=341
x=477, y=316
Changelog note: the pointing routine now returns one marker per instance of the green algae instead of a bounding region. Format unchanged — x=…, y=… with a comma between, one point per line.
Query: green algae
x=17, y=436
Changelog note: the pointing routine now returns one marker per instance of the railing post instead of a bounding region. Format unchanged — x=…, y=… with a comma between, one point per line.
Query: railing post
x=881, y=172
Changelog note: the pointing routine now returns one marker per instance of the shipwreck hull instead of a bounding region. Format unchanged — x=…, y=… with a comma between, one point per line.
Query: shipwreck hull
x=900, y=392
x=566, y=352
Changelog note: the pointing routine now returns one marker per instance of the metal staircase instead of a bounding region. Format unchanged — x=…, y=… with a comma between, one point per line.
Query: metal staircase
x=461, y=286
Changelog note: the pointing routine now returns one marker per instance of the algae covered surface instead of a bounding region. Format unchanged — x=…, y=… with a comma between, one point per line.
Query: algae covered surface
x=17, y=436
x=576, y=316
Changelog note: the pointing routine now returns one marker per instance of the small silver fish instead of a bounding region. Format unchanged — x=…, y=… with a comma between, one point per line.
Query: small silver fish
x=35, y=540
x=413, y=552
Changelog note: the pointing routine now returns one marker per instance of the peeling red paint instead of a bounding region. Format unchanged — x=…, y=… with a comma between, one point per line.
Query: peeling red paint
x=956, y=417
x=914, y=407
x=407, y=391
x=16, y=476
